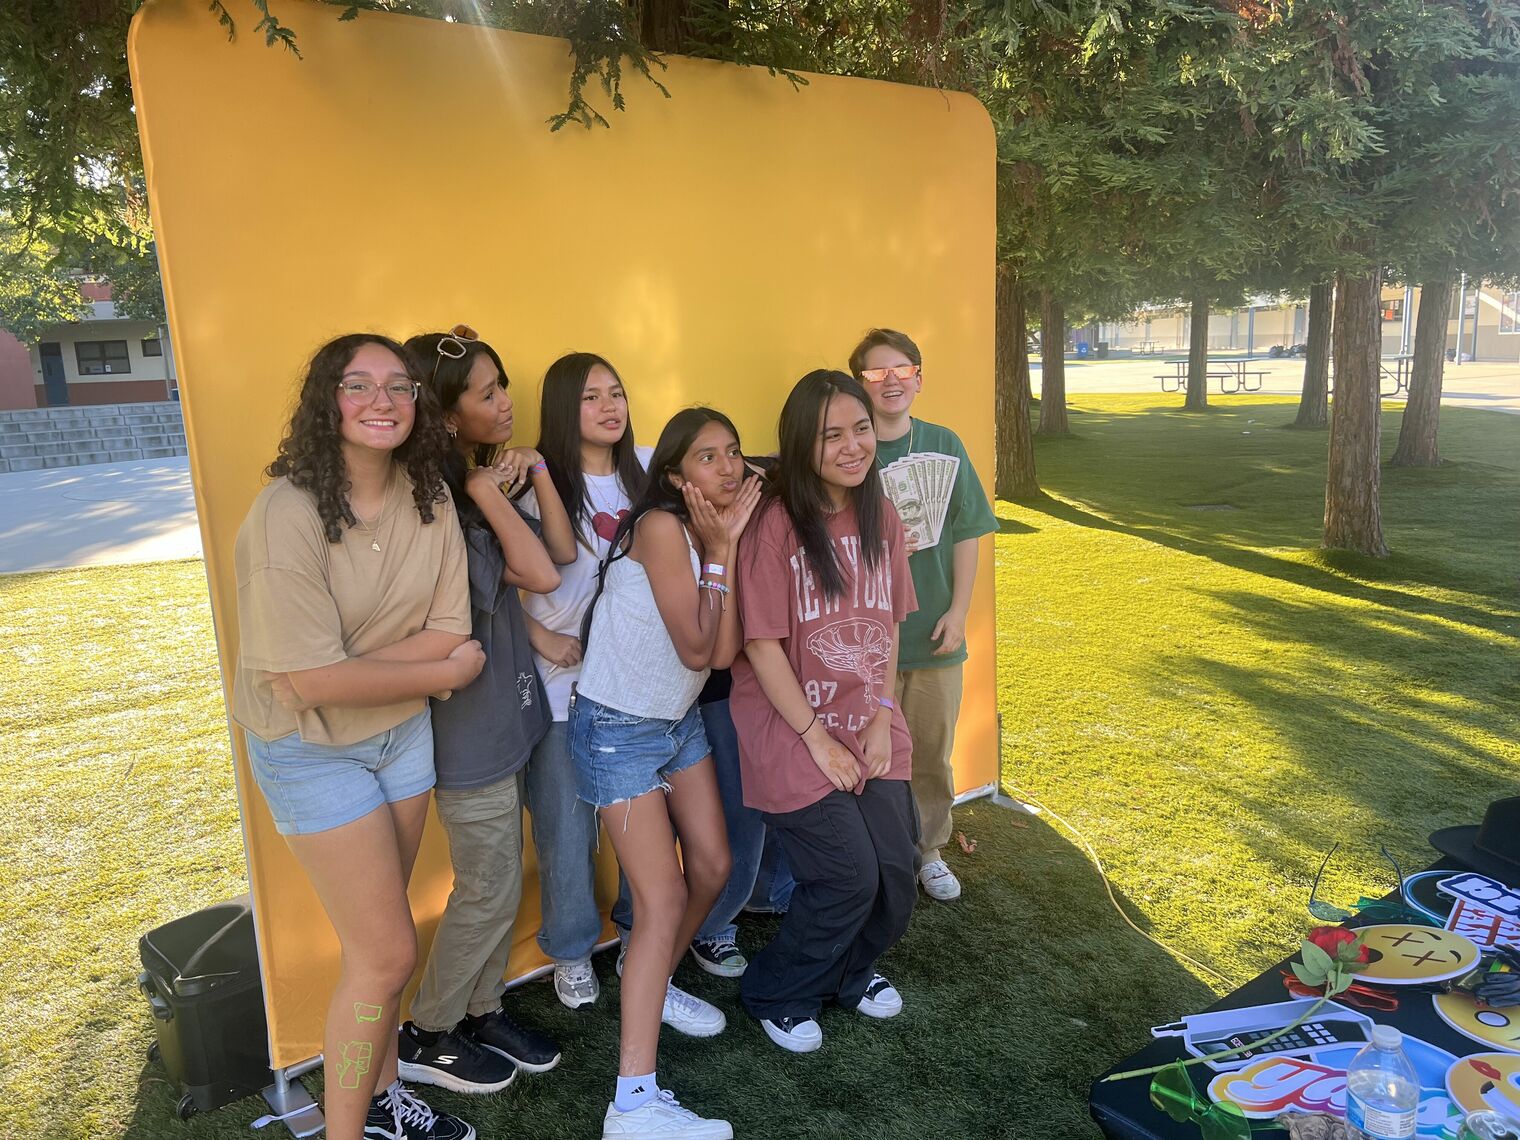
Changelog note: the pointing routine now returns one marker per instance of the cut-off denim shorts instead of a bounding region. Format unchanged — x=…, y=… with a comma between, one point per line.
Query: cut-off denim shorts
x=317, y=787
x=618, y=756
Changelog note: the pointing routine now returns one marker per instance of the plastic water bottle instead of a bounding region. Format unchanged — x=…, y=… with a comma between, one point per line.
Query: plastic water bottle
x=1382, y=1091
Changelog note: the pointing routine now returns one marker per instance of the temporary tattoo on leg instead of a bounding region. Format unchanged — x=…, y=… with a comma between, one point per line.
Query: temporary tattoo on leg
x=363, y=1011
x=354, y=1063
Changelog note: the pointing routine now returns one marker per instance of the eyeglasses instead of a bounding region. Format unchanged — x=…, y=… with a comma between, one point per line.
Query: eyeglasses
x=365, y=391
x=881, y=375
x=1378, y=910
x=1173, y=1093
x=452, y=346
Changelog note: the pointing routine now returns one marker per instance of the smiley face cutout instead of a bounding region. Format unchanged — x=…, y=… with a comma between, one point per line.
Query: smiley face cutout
x=1486, y=1082
x=1415, y=955
x=1496, y=1028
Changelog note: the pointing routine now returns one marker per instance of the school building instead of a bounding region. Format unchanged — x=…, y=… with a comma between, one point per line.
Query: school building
x=1483, y=320
x=102, y=359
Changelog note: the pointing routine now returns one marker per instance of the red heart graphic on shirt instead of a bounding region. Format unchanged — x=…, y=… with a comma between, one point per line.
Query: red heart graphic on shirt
x=605, y=525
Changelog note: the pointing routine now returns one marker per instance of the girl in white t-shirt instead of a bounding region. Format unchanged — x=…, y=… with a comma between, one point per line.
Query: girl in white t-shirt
x=586, y=439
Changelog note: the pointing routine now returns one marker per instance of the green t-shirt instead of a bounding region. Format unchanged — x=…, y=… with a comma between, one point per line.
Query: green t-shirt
x=937, y=481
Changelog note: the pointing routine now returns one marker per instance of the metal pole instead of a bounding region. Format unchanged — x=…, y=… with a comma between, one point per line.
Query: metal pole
x=1408, y=319
x=1477, y=313
x=1461, y=317
x=1250, y=331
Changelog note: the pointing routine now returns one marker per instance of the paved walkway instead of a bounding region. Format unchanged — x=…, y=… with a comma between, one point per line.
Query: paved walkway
x=111, y=513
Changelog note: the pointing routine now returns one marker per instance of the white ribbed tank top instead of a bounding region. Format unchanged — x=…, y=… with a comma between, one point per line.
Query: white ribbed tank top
x=631, y=664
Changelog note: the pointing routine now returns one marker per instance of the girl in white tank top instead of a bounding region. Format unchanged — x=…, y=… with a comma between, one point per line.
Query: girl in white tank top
x=663, y=617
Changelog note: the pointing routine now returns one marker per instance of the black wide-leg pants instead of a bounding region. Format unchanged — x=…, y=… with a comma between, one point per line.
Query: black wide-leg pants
x=854, y=858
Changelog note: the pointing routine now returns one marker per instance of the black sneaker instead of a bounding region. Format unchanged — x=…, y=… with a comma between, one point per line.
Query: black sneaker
x=453, y=1061
x=532, y=1052
x=397, y=1114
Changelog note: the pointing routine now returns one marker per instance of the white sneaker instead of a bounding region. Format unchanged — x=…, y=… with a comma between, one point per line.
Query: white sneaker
x=880, y=999
x=575, y=983
x=663, y=1117
x=794, y=1034
x=939, y=881
x=690, y=1015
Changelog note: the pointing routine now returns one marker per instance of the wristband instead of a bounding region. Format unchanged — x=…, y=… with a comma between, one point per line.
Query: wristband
x=541, y=465
x=886, y=702
x=810, y=724
x=714, y=568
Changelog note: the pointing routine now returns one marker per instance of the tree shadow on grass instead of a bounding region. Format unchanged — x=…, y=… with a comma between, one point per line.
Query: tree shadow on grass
x=1386, y=725
x=1324, y=571
x=1016, y=997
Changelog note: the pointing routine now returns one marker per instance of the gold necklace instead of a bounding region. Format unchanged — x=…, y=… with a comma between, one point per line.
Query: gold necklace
x=369, y=529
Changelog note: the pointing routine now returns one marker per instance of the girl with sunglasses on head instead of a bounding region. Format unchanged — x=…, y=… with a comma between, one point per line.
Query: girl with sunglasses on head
x=353, y=608
x=460, y=1037
x=824, y=584
x=660, y=621
x=595, y=470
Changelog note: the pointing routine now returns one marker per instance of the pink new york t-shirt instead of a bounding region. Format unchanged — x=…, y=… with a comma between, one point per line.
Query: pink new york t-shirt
x=838, y=648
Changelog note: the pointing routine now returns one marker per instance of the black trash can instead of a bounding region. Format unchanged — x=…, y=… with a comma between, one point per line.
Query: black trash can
x=201, y=976
x=1102, y=350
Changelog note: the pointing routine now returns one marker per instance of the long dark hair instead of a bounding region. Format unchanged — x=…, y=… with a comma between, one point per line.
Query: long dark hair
x=311, y=453
x=448, y=377
x=659, y=493
x=797, y=487
x=559, y=437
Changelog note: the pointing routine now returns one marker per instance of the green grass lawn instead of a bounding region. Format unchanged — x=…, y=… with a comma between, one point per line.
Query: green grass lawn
x=1209, y=700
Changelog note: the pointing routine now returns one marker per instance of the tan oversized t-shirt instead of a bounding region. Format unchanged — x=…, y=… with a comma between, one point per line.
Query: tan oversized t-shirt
x=304, y=602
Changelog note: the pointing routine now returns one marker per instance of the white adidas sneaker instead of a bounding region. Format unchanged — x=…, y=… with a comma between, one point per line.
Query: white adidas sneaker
x=663, y=1117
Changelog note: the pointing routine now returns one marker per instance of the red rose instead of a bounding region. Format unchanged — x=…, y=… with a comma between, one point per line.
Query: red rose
x=1331, y=938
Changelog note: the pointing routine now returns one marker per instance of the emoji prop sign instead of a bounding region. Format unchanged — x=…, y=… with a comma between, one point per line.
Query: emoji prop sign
x=1415, y=955
x=1499, y=1028
x=1487, y=1081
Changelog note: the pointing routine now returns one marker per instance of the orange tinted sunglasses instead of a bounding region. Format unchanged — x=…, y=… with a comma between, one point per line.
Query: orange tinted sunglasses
x=881, y=375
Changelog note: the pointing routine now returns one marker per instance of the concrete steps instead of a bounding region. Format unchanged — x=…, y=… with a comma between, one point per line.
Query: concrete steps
x=33, y=439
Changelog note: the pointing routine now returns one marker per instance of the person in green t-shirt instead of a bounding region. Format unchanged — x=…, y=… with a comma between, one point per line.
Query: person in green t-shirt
x=929, y=478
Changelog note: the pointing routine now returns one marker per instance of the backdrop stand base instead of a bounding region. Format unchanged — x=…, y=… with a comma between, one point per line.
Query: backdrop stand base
x=290, y=1100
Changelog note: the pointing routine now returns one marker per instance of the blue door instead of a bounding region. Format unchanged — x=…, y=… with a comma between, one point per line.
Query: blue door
x=57, y=388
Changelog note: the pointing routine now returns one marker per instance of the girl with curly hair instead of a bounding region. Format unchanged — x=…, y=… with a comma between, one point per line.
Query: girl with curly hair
x=353, y=608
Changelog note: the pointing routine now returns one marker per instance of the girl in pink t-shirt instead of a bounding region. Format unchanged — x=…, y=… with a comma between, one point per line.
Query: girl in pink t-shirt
x=825, y=754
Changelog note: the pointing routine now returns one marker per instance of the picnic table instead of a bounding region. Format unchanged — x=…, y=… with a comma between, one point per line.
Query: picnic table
x=1123, y=1109
x=1233, y=376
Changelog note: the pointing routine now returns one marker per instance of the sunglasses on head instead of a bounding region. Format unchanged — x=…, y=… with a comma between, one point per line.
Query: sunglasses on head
x=452, y=346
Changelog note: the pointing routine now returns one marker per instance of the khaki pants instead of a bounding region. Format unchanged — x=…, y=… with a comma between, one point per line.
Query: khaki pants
x=930, y=700
x=469, y=957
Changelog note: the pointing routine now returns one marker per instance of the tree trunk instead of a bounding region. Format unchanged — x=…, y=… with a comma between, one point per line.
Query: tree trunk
x=1314, y=404
x=665, y=25
x=1016, y=478
x=1422, y=414
x=1052, y=367
x=1198, y=358
x=1353, y=511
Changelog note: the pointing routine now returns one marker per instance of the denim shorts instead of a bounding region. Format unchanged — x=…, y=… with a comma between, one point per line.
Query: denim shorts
x=317, y=787
x=618, y=756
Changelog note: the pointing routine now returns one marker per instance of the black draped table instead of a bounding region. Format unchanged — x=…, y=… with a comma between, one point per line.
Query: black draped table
x=1123, y=1109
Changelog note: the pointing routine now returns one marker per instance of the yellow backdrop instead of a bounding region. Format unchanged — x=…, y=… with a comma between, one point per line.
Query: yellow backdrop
x=401, y=177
